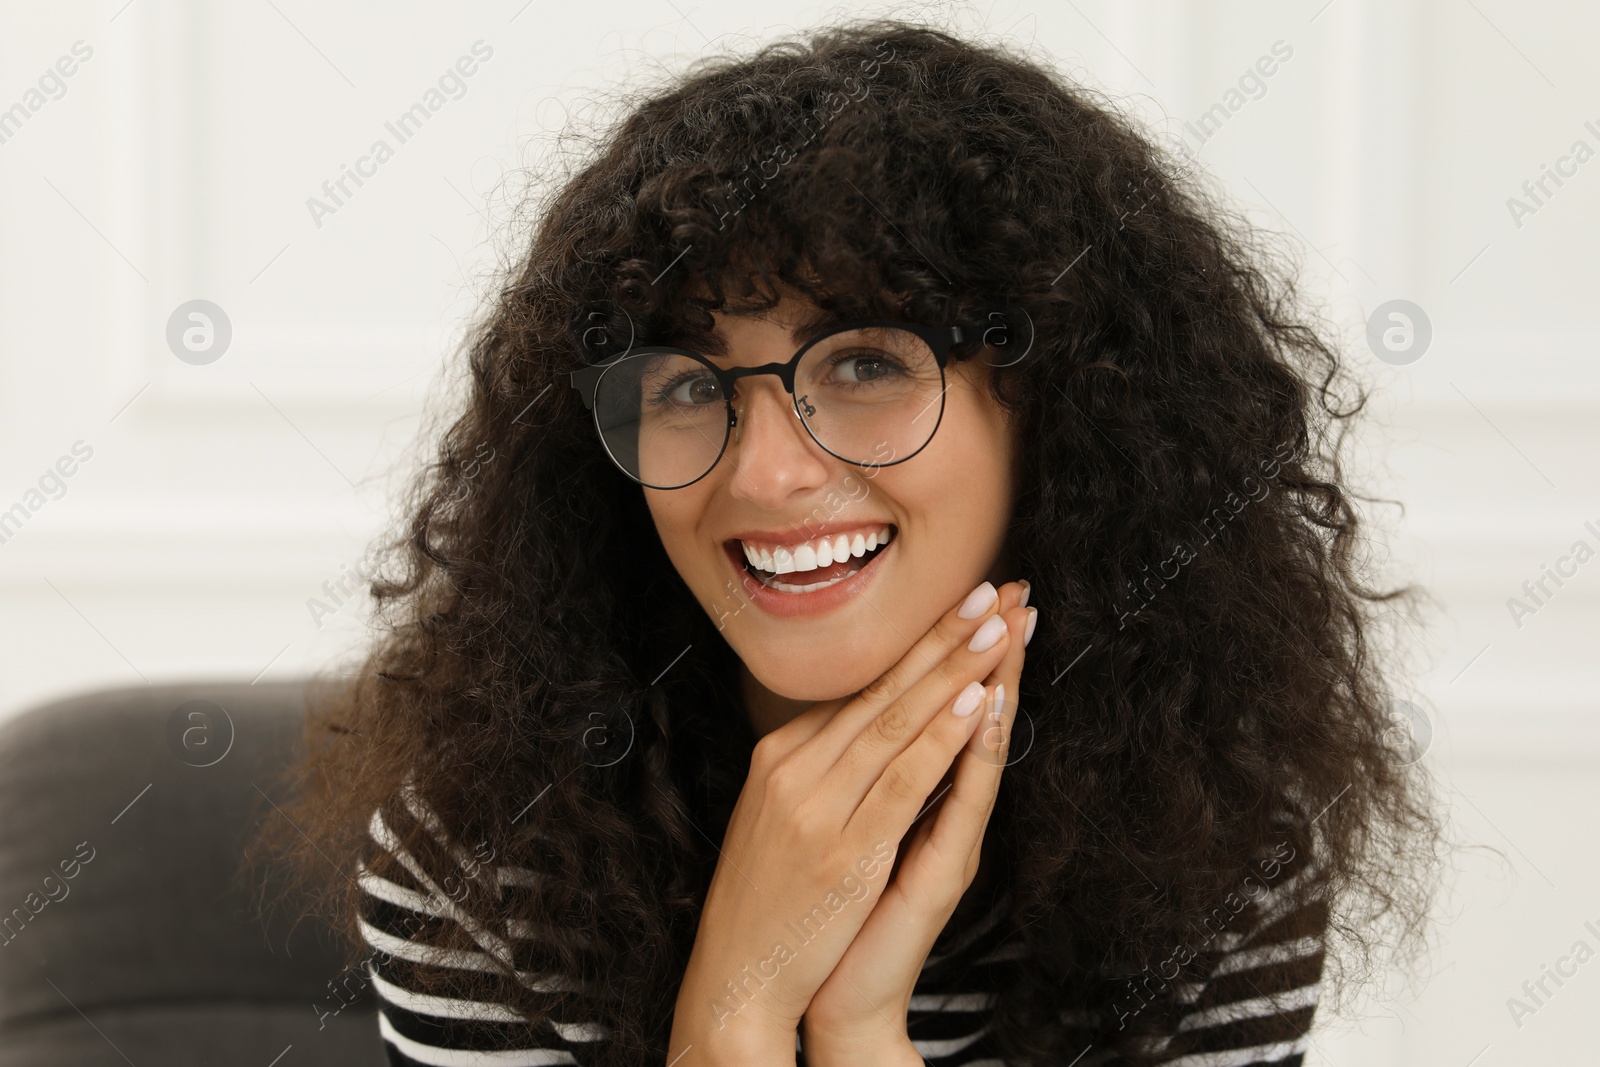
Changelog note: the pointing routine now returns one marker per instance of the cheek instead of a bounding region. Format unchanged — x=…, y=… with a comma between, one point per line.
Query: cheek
x=977, y=456
x=681, y=517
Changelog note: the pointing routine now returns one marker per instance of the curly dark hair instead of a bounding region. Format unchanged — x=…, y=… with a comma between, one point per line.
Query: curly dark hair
x=1211, y=656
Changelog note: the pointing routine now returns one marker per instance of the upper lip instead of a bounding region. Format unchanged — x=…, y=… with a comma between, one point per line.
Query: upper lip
x=802, y=532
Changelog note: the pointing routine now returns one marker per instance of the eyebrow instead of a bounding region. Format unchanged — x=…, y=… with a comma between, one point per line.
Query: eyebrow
x=712, y=344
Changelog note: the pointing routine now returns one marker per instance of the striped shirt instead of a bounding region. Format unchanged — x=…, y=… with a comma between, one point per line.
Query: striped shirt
x=1254, y=1007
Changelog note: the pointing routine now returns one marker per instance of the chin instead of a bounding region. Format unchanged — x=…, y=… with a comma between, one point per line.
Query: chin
x=797, y=677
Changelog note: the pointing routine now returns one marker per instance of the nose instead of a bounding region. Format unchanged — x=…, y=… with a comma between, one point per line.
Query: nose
x=772, y=455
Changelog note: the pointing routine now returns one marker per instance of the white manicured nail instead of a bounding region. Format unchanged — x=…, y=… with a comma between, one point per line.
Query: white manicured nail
x=1033, y=620
x=968, y=700
x=978, y=601
x=991, y=630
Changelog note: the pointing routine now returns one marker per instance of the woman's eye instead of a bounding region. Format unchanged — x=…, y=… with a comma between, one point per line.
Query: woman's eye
x=690, y=391
x=864, y=368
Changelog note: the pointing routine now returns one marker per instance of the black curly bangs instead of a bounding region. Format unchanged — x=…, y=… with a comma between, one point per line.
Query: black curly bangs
x=802, y=181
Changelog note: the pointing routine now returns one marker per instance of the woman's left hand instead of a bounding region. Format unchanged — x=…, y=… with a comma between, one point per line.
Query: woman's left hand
x=858, y=1015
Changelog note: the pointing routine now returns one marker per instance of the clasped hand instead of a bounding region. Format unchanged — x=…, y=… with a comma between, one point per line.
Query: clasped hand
x=804, y=925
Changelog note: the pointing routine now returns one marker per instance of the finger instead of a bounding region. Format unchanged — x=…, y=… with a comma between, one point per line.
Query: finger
x=933, y=874
x=938, y=861
x=928, y=656
x=916, y=721
x=991, y=741
x=945, y=849
x=975, y=778
x=903, y=789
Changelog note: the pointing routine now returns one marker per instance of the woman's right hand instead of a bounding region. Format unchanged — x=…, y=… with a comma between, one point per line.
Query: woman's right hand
x=813, y=837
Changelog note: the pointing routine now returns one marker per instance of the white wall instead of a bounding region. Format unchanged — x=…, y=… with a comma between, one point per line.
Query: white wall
x=219, y=497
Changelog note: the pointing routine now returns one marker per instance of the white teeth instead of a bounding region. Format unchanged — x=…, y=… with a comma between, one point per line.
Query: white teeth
x=785, y=587
x=810, y=555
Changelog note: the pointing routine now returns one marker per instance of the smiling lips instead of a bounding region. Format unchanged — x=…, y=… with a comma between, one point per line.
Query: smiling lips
x=825, y=560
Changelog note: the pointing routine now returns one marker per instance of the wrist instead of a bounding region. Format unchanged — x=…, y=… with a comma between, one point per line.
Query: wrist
x=702, y=1038
x=827, y=1047
x=708, y=1048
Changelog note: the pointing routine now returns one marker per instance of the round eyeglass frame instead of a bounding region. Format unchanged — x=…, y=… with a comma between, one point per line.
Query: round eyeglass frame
x=939, y=339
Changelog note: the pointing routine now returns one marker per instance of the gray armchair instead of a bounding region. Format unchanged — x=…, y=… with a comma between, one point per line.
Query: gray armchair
x=124, y=936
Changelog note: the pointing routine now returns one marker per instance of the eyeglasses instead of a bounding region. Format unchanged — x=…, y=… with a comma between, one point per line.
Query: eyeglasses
x=869, y=393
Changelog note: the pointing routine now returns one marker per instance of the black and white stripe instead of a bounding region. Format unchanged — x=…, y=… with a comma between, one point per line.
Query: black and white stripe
x=1254, y=1008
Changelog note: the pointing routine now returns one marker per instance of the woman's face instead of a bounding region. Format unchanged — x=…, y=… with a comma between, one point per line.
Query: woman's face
x=946, y=510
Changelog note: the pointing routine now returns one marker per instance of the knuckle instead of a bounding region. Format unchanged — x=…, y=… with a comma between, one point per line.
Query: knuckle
x=892, y=723
x=764, y=755
x=897, y=782
x=780, y=782
x=810, y=827
x=880, y=690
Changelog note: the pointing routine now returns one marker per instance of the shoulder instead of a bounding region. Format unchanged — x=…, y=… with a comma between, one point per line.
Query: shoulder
x=1239, y=984
x=1259, y=953
x=446, y=962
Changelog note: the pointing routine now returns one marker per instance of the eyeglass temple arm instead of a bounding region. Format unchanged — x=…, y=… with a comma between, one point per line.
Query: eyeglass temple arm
x=585, y=380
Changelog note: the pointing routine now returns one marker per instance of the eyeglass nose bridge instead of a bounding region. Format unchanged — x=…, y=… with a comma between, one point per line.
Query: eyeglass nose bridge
x=727, y=378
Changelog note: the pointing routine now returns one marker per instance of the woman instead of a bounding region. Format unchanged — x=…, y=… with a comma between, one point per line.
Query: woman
x=890, y=596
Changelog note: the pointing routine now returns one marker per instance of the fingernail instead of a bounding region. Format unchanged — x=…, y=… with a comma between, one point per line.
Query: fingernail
x=1027, y=589
x=968, y=700
x=987, y=634
x=978, y=601
x=999, y=701
x=1033, y=620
